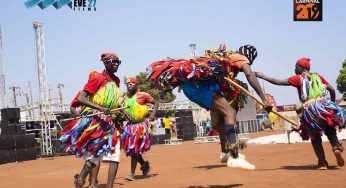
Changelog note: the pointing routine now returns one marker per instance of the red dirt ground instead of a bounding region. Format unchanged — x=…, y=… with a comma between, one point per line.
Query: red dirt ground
x=191, y=166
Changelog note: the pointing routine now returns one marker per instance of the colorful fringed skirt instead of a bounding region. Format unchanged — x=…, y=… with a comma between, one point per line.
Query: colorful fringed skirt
x=92, y=136
x=320, y=113
x=136, y=137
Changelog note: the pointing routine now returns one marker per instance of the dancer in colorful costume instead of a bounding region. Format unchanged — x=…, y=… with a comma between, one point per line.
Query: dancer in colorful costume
x=202, y=81
x=92, y=137
x=136, y=136
x=319, y=114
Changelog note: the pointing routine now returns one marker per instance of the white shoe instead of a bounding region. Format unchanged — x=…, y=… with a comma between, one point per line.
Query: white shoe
x=241, y=156
x=240, y=163
x=224, y=156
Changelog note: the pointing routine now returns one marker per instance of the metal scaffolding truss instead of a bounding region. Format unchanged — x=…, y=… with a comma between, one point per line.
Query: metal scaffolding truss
x=2, y=78
x=186, y=105
x=181, y=105
x=54, y=107
x=44, y=104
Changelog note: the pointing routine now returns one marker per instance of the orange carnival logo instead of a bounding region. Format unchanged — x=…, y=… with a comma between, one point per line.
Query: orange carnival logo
x=307, y=10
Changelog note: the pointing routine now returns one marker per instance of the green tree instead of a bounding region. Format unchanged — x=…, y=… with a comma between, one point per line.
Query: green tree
x=145, y=85
x=341, y=81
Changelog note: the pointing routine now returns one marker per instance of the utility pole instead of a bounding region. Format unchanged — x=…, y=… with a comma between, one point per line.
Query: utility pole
x=49, y=94
x=27, y=101
x=14, y=88
x=30, y=92
x=31, y=111
x=60, y=87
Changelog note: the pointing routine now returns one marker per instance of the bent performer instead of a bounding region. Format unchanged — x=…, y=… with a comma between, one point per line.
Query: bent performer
x=202, y=81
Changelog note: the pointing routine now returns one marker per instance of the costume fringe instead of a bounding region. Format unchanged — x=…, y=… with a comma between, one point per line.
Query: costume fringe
x=320, y=113
x=136, y=138
x=214, y=65
x=95, y=135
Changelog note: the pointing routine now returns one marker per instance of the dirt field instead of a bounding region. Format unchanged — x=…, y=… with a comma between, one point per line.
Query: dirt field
x=192, y=166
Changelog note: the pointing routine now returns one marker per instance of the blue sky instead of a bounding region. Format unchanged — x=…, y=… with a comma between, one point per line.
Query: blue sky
x=141, y=32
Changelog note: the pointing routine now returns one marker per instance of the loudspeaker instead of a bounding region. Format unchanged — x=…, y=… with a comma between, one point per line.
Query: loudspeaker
x=24, y=141
x=153, y=139
x=7, y=156
x=187, y=120
x=183, y=113
x=13, y=129
x=159, y=139
x=5, y=130
x=164, y=137
x=9, y=124
x=24, y=154
x=10, y=114
x=176, y=114
x=20, y=130
x=5, y=122
x=178, y=120
x=186, y=130
x=59, y=148
x=187, y=137
x=180, y=137
x=7, y=143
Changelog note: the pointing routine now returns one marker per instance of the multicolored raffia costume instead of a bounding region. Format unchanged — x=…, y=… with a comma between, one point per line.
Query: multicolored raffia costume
x=94, y=136
x=205, y=71
x=318, y=111
x=136, y=136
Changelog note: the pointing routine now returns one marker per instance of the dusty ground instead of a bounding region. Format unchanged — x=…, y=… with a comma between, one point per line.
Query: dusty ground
x=193, y=166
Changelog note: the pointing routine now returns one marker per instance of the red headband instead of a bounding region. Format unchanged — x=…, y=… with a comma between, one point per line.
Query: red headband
x=304, y=62
x=105, y=56
x=132, y=80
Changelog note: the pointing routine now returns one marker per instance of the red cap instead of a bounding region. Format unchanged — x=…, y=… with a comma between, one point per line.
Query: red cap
x=105, y=56
x=304, y=62
x=132, y=80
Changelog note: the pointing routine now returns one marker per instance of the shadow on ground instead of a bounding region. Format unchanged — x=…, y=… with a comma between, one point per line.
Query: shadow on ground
x=216, y=186
x=306, y=167
x=208, y=167
x=104, y=185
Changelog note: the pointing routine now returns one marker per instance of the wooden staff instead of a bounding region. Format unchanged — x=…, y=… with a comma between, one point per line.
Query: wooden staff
x=295, y=125
x=90, y=115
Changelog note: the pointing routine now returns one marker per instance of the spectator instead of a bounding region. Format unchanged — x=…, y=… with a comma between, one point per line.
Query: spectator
x=174, y=134
x=158, y=123
x=207, y=125
x=167, y=124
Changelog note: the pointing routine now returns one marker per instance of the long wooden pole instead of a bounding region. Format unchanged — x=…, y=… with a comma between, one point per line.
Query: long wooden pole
x=90, y=115
x=261, y=103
